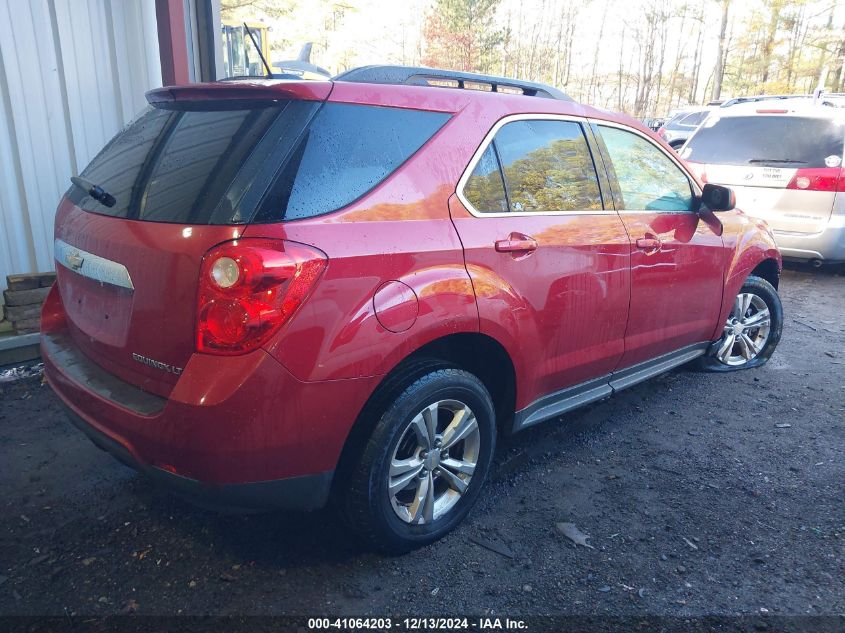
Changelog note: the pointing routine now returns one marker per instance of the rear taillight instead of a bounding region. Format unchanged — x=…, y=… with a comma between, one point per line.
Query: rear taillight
x=818, y=179
x=249, y=288
x=661, y=131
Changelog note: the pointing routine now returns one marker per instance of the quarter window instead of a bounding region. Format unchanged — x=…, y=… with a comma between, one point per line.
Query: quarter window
x=648, y=178
x=547, y=167
x=485, y=189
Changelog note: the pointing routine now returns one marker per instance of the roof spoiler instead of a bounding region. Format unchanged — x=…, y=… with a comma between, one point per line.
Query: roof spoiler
x=251, y=89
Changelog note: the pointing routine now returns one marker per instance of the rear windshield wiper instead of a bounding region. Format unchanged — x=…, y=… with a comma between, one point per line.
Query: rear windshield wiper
x=95, y=191
x=777, y=160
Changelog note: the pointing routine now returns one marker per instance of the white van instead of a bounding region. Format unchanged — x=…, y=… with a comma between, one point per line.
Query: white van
x=783, y=160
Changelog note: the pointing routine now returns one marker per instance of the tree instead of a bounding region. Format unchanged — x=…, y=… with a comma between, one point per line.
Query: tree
x=462, y=35
x=719, y=73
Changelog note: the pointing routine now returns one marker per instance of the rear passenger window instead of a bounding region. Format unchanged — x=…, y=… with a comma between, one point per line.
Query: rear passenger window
x=547, y=167
x=648, y=178
x=485, y=189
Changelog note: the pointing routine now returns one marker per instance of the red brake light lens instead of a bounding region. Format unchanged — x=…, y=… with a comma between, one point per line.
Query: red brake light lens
x=249, y=288
x=818, y=179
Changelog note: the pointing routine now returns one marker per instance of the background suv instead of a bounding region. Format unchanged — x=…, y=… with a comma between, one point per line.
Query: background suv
x=280, y=293
x=680, y=127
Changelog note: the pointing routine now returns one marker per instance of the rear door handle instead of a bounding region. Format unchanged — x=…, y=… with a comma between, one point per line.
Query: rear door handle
x=517, y=243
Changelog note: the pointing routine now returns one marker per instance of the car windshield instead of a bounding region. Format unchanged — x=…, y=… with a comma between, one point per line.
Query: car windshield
x=776, y=140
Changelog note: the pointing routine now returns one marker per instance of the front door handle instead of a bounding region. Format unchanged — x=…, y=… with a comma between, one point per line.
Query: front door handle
x=649, y=244
x=517, y=243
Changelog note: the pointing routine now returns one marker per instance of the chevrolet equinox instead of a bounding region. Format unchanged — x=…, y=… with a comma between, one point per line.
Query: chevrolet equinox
x=285, y=293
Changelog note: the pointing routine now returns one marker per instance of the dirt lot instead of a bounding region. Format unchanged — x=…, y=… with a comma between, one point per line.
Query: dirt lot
x=701, y=493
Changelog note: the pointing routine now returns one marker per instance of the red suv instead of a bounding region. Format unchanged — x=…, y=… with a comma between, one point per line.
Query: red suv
x=280, y=293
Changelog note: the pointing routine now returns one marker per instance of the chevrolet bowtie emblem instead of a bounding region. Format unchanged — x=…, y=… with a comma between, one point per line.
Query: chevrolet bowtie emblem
x=74, y=259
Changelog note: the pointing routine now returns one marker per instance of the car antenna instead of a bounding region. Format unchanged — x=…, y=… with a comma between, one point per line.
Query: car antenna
x=258, y=48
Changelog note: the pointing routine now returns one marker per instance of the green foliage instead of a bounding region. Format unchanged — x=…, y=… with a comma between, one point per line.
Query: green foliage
x=462, y=35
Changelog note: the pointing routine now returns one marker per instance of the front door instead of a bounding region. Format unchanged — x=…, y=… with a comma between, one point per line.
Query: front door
x=677, y=261
x=549, y=263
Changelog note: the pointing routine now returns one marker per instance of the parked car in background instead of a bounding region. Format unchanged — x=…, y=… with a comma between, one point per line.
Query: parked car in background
x=654, y=123
x=680, y=127
x=301, y=67
x=784, y=161
x=280, y=293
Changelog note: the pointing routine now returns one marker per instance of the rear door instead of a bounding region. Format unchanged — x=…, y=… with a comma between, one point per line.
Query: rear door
x=783, y=168
x=185, y=177
x=677, y=262
x=549, y=260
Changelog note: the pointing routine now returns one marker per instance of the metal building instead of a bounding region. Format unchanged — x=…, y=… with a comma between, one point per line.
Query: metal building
x=72, y=73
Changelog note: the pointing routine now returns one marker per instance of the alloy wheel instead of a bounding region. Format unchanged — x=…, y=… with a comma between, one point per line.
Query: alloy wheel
x=433, y=462
x=746, y=331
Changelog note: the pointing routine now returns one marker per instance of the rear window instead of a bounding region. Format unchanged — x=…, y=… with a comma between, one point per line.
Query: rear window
x=235, y=162
x=788, y=141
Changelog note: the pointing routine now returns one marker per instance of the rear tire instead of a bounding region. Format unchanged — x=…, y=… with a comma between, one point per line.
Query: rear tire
x=424, y=465
x=752, y=331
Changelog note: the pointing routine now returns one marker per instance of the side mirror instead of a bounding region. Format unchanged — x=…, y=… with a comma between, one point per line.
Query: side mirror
x=717, y=197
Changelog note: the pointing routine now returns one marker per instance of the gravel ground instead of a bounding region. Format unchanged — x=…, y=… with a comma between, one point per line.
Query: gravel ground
x=701, y=494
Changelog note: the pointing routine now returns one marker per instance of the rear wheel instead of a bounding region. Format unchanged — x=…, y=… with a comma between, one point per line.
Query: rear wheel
x=752, y=330
x=425, y=463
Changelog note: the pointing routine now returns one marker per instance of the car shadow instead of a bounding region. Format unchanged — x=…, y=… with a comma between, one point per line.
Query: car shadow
x=278, y=540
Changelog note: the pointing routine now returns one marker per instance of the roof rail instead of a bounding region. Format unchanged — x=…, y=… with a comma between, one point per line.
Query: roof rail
x=420, y=76
x=756, y=98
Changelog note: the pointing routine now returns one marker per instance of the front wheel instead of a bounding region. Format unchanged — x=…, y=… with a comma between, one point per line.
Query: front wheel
x=425, y=463
x=752, y=331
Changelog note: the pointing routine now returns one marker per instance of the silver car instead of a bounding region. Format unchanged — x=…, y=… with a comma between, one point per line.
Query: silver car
x=784, y=162
x=680, y=127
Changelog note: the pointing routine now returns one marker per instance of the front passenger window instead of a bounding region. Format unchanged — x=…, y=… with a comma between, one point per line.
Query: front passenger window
x=648, y=178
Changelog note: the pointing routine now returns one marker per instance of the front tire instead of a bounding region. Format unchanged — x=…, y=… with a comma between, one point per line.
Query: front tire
x=752, y=331
x=425, y=463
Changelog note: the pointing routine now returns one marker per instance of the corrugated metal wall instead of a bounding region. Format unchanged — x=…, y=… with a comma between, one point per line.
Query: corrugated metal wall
x=72, y=73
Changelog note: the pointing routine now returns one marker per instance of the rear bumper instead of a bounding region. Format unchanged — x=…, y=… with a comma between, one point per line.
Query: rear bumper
x=235, y=432
x=307, y=492
x=827, y=245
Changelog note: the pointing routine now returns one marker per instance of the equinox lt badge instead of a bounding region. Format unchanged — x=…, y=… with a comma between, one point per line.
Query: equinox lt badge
x=156, y=364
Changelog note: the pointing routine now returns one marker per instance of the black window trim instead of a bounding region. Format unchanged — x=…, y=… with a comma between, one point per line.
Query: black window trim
x=596, y=124
x=488, y=139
